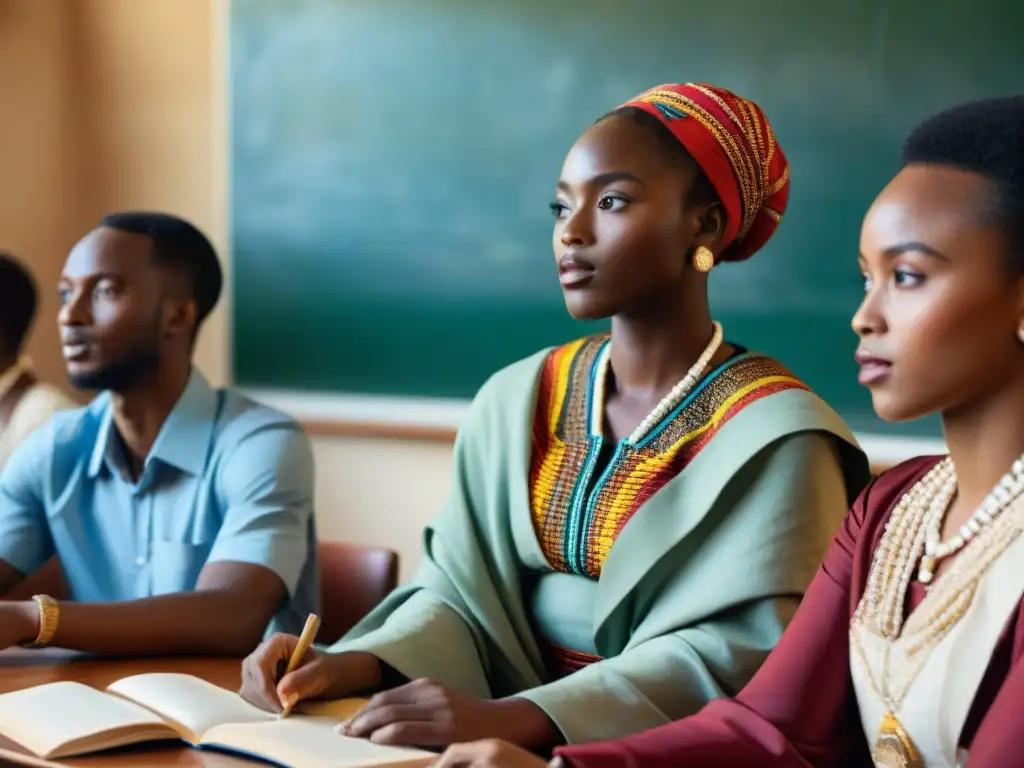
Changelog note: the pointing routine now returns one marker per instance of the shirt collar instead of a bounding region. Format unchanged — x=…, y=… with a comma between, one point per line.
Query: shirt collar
x=184, y=439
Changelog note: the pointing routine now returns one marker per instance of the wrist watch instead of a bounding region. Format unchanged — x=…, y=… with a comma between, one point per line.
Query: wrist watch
x=49, y=616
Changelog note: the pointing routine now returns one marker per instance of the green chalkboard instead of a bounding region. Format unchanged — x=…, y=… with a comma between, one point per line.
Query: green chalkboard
x=392, y=162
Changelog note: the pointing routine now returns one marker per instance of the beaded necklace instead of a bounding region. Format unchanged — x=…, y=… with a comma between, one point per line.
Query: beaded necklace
x=668, y=403
x=911, y=541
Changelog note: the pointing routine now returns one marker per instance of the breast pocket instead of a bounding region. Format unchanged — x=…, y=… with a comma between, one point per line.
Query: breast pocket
x=176, y=565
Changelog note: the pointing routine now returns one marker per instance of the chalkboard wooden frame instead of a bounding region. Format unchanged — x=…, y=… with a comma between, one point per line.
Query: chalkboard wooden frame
x=434, y=420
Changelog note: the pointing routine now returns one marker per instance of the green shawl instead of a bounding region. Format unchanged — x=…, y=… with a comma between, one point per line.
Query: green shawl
x=695, y=592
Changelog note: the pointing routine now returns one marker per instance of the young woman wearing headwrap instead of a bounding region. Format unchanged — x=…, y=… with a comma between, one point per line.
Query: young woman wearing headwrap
x=908, y=650
x=635, y=516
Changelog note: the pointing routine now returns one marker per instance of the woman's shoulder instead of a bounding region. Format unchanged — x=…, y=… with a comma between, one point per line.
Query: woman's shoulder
x=886, y=488
x=742, y=368
x=908, y=471
x=768, y=395
x=760, y=365
x=527, y=370
x=749, y=375
x=581, y=350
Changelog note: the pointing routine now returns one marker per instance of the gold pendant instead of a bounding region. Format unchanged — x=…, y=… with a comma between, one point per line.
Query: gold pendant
x=893, y=747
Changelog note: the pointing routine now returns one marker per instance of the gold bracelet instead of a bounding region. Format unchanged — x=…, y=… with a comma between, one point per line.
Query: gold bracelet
x=49, y=617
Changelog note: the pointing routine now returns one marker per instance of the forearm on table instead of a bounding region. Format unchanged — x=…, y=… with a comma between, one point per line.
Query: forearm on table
x=216, y=623
x=530, y=727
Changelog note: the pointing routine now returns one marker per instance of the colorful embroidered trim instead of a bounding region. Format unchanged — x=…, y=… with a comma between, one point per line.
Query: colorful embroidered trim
x=577, y=516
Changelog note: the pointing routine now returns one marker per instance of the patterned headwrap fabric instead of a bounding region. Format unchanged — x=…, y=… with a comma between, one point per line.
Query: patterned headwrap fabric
x=730, y=138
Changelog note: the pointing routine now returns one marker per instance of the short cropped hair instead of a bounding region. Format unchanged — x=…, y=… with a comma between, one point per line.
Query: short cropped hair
x=984, y=137
x=18, y=300
x=181, y=246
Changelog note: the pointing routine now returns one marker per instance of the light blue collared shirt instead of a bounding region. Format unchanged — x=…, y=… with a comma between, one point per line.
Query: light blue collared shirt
x=226, y=479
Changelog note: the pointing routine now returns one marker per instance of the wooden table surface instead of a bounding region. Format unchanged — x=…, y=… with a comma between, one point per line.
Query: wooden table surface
x=26, y=668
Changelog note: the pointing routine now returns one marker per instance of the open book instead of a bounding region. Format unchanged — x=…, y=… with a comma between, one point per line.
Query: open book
x=59, y=720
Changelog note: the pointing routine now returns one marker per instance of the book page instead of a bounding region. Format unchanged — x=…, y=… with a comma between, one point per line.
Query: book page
x=190, y=703
x=312, y=742
x=65, y=718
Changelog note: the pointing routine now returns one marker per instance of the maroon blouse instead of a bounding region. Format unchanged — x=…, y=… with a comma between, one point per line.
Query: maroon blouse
x=800, y=709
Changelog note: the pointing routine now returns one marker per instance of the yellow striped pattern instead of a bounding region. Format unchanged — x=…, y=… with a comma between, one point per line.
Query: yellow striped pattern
x=584, y=489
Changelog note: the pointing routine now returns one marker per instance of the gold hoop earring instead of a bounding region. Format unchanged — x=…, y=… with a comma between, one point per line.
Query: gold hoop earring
x=703, y=259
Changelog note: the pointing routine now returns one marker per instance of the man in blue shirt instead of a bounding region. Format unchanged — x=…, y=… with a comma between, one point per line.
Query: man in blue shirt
x=182, y=515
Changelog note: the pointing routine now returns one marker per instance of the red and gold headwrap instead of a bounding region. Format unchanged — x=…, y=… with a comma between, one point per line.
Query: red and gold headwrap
x=730, y=138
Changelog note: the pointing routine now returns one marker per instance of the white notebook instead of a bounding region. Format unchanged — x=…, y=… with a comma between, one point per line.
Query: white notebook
x=64, y=719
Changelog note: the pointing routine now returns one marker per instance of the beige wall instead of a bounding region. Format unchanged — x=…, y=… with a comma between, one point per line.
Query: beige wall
x=112, y=104
x=151, y=121
x=38, y=150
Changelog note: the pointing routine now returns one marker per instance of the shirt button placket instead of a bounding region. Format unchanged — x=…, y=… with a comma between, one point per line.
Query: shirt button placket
x=143, y=511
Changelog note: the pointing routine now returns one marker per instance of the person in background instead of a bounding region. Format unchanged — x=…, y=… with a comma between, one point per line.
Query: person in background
x=182, y=515
x=25, y=402
x=634, y=516
x=908, y=651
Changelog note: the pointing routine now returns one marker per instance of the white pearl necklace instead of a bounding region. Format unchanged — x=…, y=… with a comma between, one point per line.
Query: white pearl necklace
x=881, y=608
x=670, y=401
x=1009, y=487
x=913, y=530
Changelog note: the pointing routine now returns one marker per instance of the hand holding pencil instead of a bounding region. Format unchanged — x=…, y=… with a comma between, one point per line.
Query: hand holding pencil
x=286, y=669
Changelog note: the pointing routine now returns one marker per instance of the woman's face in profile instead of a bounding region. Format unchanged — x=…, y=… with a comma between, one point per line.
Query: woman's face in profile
x=622, y=228
x=943, y=301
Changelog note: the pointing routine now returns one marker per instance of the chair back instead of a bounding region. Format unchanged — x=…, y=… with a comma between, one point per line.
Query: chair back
x=353, y=580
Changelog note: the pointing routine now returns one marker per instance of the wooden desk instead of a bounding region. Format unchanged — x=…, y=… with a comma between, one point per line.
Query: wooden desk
x=23, y=669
